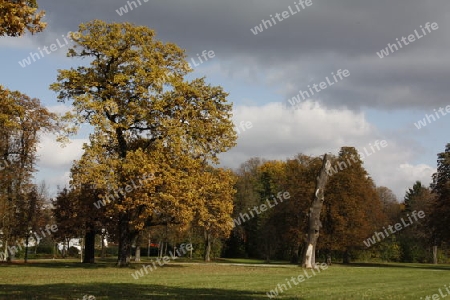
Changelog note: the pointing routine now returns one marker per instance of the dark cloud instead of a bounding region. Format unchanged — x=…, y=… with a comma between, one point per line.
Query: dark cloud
x=306, y=47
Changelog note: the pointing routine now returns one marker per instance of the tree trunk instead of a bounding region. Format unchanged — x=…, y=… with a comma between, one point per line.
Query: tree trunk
x=137, y=243
x=123, y=258
x=148, y=247
x=309, y=259
x=435, y=260
x=329, y=258
x=103, y=246
x=207, y=256
x=26, y=248
x=89, y=246
x=82, y=247
x=65, y=244
x=346, y=257
x=8, y=257
x=160, y=248
x=138, y=254
x=190, y=243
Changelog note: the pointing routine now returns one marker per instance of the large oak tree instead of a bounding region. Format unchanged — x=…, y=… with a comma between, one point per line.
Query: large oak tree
x=144, y=121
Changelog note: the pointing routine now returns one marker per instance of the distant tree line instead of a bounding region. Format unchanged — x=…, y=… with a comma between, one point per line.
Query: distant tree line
x=354, y=210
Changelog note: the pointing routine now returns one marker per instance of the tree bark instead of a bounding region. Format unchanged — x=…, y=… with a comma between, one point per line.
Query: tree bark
x=123, y=259
x=137, y=256
x=435, y=260
x=103, y=246
x=8, y=257
x=160, y=246
x=137, y=242
x=314, y=224
x=89, y=246
x=190, y=242
x=26, y=248
x=346, y=257
x=207, y=256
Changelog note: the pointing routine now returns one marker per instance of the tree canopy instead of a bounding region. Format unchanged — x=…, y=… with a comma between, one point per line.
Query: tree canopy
x=144, y=122
x=20, y=16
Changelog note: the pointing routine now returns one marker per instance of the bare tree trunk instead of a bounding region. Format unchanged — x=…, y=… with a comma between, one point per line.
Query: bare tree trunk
x=309, y=256
x=435, y=260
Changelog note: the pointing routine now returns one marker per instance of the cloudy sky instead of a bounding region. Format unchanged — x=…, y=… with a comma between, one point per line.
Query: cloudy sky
x=296, y=47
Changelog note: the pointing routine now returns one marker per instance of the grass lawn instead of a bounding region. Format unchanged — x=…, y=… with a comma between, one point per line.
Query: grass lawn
x=65, y=279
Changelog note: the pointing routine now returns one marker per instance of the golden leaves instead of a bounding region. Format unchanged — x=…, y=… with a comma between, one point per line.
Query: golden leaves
x=20, y=16
x=146, y=121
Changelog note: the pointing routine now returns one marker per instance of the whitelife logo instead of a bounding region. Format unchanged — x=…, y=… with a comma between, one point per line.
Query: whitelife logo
x=124, y=9
x=207, y=55
x=319, y=87
x=431, y=118
x=244, y=126
x=366, y=153
x=243, y=217
x=161, y=262
x=411, y=38
x=53, y=47
x=437, y=296
x=281, y=287
x=31, y=240
x=128, y=189
x=265, y=24
x=381, y=236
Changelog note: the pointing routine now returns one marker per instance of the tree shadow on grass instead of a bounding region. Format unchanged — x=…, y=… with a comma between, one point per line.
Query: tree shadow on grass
x=399, y=265
x=122, y=291
x=61, y=264
x=58, y=264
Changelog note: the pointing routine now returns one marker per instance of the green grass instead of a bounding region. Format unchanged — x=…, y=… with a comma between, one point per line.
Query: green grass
x=65, y=279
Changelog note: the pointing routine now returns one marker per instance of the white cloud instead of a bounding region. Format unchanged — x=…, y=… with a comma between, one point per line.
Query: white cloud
x=53, y=155
x=280, y=133
x=23, y=42
x=60, y=108
x=55, y=161
x=401, y=177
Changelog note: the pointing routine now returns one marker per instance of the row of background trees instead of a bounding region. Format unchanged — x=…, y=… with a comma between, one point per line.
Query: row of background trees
x=354, y=210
